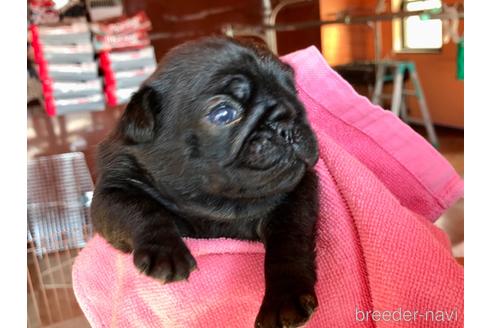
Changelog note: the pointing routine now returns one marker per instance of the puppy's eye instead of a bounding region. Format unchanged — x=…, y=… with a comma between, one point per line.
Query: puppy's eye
x=223, y=114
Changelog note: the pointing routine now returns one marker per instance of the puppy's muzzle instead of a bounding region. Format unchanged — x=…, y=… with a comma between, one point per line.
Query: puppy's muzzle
x=252, y=122
x=270, y=135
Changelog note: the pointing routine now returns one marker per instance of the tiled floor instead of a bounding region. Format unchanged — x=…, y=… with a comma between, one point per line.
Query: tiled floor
x=51, y=302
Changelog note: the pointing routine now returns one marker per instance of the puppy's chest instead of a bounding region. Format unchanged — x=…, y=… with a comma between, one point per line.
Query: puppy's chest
x=209, y=216
x=231, y=219
x=246, y=229
x=222, y=209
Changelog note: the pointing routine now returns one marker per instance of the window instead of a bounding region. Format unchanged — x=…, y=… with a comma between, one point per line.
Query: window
x=417, y=33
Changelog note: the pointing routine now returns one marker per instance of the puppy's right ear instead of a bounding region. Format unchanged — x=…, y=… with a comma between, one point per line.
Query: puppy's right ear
x=138, y=122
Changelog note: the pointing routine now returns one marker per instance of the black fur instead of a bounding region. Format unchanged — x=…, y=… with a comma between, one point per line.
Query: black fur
x=167, y=171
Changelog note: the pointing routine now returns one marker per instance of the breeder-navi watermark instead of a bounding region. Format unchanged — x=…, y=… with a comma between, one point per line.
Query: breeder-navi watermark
x=400, y=314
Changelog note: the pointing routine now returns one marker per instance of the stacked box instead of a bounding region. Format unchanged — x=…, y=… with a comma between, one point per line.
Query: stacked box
x=124, y=71
x=125, y=55
x=67, y=68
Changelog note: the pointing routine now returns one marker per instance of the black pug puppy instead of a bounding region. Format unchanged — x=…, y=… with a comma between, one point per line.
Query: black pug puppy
x=215, y=144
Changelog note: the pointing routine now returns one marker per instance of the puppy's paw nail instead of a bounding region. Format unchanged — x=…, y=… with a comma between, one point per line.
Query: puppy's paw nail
x=167, y=263
x=308, y=302
x=286, y=310
x=142, y=261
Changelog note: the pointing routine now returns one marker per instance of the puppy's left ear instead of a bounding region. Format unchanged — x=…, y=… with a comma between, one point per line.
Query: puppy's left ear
x=138, y=122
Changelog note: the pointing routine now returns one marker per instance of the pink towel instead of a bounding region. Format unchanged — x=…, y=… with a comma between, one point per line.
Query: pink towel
x=381, y=262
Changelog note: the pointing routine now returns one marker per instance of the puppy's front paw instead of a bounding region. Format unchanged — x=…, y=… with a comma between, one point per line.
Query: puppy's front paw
x=286, y=310
x=167, y=262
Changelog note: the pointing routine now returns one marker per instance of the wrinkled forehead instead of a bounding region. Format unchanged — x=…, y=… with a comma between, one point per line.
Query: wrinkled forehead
x=212, y=64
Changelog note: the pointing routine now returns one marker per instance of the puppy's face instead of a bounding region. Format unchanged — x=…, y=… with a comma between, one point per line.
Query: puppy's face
x=219, y=118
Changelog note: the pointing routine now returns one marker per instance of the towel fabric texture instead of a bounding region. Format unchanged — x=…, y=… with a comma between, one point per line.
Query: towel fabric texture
x=380, y=260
